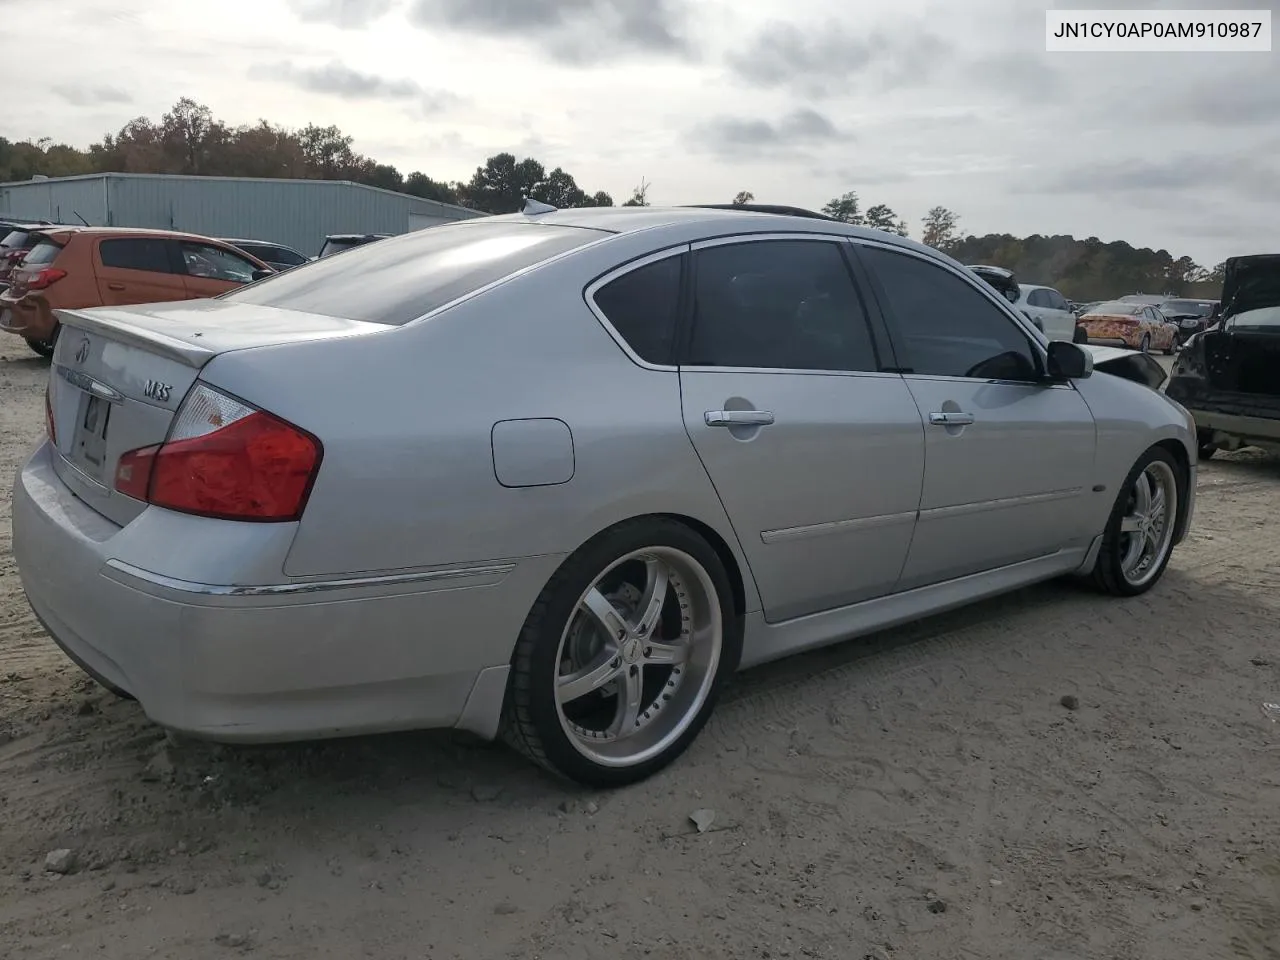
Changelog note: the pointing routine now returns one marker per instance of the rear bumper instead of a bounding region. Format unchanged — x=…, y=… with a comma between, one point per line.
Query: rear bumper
x=27, y=317
x=274, y=662
x=1232, y=430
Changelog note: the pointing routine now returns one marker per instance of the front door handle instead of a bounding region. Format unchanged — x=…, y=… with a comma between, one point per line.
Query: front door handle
x=738, y=418
x=115, y=286
x=951, y=419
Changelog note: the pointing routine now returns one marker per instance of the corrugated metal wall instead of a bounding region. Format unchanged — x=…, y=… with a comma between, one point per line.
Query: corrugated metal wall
x=57, y=200
x=297, y=212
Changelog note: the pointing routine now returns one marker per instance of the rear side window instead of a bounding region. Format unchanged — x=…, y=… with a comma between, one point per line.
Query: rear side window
x=397, y=280
x=641, y=305
x=44, y=252
x=14, y=238
x=136, y=253
x=778, y=304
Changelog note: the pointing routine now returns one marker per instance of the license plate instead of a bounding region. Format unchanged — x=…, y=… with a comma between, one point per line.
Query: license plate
x=90, y=441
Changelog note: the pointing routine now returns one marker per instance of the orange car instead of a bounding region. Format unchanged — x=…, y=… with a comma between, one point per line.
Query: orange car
x=72, y=267
x=1138, y=326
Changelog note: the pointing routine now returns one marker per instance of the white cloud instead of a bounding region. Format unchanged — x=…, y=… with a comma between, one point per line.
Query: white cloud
x=937, y=102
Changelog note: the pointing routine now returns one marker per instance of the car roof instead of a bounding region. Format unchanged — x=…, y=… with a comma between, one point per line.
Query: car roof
x=358, y=236
x=122, y=232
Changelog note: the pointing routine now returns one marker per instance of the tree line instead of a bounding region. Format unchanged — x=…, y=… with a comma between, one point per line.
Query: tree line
x=188, y=139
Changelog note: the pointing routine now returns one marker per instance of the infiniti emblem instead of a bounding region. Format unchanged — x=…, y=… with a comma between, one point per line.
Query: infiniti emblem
x=82, y=351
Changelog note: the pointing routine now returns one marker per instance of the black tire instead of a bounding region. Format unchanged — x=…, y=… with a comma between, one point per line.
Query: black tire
x=1207, y=448
x=1108, y=575
x=531, y=722
x=1145, y=344
x=45, y=348
x=1080, y=335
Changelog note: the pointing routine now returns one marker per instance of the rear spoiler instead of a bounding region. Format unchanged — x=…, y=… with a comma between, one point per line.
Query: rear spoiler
x=133, y=329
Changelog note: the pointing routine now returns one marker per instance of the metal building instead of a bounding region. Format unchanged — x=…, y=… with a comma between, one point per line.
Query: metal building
x=300, y=213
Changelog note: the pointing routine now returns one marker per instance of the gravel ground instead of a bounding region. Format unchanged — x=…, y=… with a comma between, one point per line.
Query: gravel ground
x=1047, y=775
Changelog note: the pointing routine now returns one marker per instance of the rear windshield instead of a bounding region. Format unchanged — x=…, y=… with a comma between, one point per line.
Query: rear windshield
x=1119, y=309
x=1187, y=308
x=272, y=254
x=1262, y=318
x=46, y=251
x=337, y=246
x=397, y=280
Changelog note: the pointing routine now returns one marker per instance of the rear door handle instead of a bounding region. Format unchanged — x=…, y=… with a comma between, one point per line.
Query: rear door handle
x=115, y=286
x=738, y=418
x=951, y=419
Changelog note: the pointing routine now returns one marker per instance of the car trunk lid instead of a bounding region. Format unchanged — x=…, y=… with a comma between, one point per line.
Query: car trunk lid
x=120, y=374
x=1242, y=353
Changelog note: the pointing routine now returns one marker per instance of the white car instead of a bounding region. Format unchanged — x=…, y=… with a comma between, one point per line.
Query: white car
x=1050, y=308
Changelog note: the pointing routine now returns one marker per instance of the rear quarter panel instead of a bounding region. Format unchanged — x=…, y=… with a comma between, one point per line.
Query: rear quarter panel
x=406, y=418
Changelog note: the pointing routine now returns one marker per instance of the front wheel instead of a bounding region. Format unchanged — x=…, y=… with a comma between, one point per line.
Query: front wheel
x=1138, y=539
x=621, y=658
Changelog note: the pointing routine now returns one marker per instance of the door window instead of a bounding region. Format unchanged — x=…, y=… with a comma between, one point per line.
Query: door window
x=136, y=253
x=641, y=305
x=214, y=263
x=1057, y=301
x=1039, y=298
x=947, y=326
x=778, y=304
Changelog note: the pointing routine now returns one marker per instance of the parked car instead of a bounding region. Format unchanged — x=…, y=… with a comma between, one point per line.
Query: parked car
x=1080, y=309
x=1147, y=299
x=1006, y=284
x=1048, y=306
x=1191, y=316
x=14, y=245
x=1229, y=375
x=1137, y=326
x=342, y=242
x=278, y=256
x=74, y=267
x=677, y=442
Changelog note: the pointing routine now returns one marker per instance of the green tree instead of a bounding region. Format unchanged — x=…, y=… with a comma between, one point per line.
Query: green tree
x=881, y=217
x=941, y=227
x=844, y=208
x=639, y=196
x=743, y=198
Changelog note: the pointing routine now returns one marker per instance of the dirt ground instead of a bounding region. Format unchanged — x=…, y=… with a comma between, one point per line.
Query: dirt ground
x=927, y=793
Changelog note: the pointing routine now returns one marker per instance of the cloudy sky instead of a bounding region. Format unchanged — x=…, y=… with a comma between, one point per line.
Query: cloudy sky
x=910, y=102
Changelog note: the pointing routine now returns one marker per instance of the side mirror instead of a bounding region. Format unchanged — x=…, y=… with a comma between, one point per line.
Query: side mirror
x=261, y=274
x=1069, y=361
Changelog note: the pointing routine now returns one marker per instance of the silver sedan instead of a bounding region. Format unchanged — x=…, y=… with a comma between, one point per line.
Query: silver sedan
x=554, y=476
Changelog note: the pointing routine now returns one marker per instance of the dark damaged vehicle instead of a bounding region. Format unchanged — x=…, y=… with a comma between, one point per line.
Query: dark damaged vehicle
x=1229, y=375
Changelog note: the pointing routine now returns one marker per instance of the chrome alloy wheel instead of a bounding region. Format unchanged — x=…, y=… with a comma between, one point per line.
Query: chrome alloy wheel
x=638, y=656
x=1146, y=529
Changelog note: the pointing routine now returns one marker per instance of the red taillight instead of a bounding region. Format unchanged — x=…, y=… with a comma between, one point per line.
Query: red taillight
x=44, y=278
x=224, y=459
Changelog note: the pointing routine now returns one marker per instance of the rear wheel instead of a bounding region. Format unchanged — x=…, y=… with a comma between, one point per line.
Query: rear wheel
x=620, y=661
x=45, y=348
x=1138, y=539
x=1080, y=335
x=1145, y=345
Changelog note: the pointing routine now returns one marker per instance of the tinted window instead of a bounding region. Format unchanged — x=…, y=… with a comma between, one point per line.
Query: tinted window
x=947, y=327
x=271, y=254
x=642, y=305
x=1039, y=298
x=14, y=238
x=787, y=304
x=214, y=263
x=399, y=279
x=136, y=253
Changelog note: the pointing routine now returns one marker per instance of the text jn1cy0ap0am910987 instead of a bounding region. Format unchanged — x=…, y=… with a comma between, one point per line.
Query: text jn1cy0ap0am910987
x=1158, y=31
